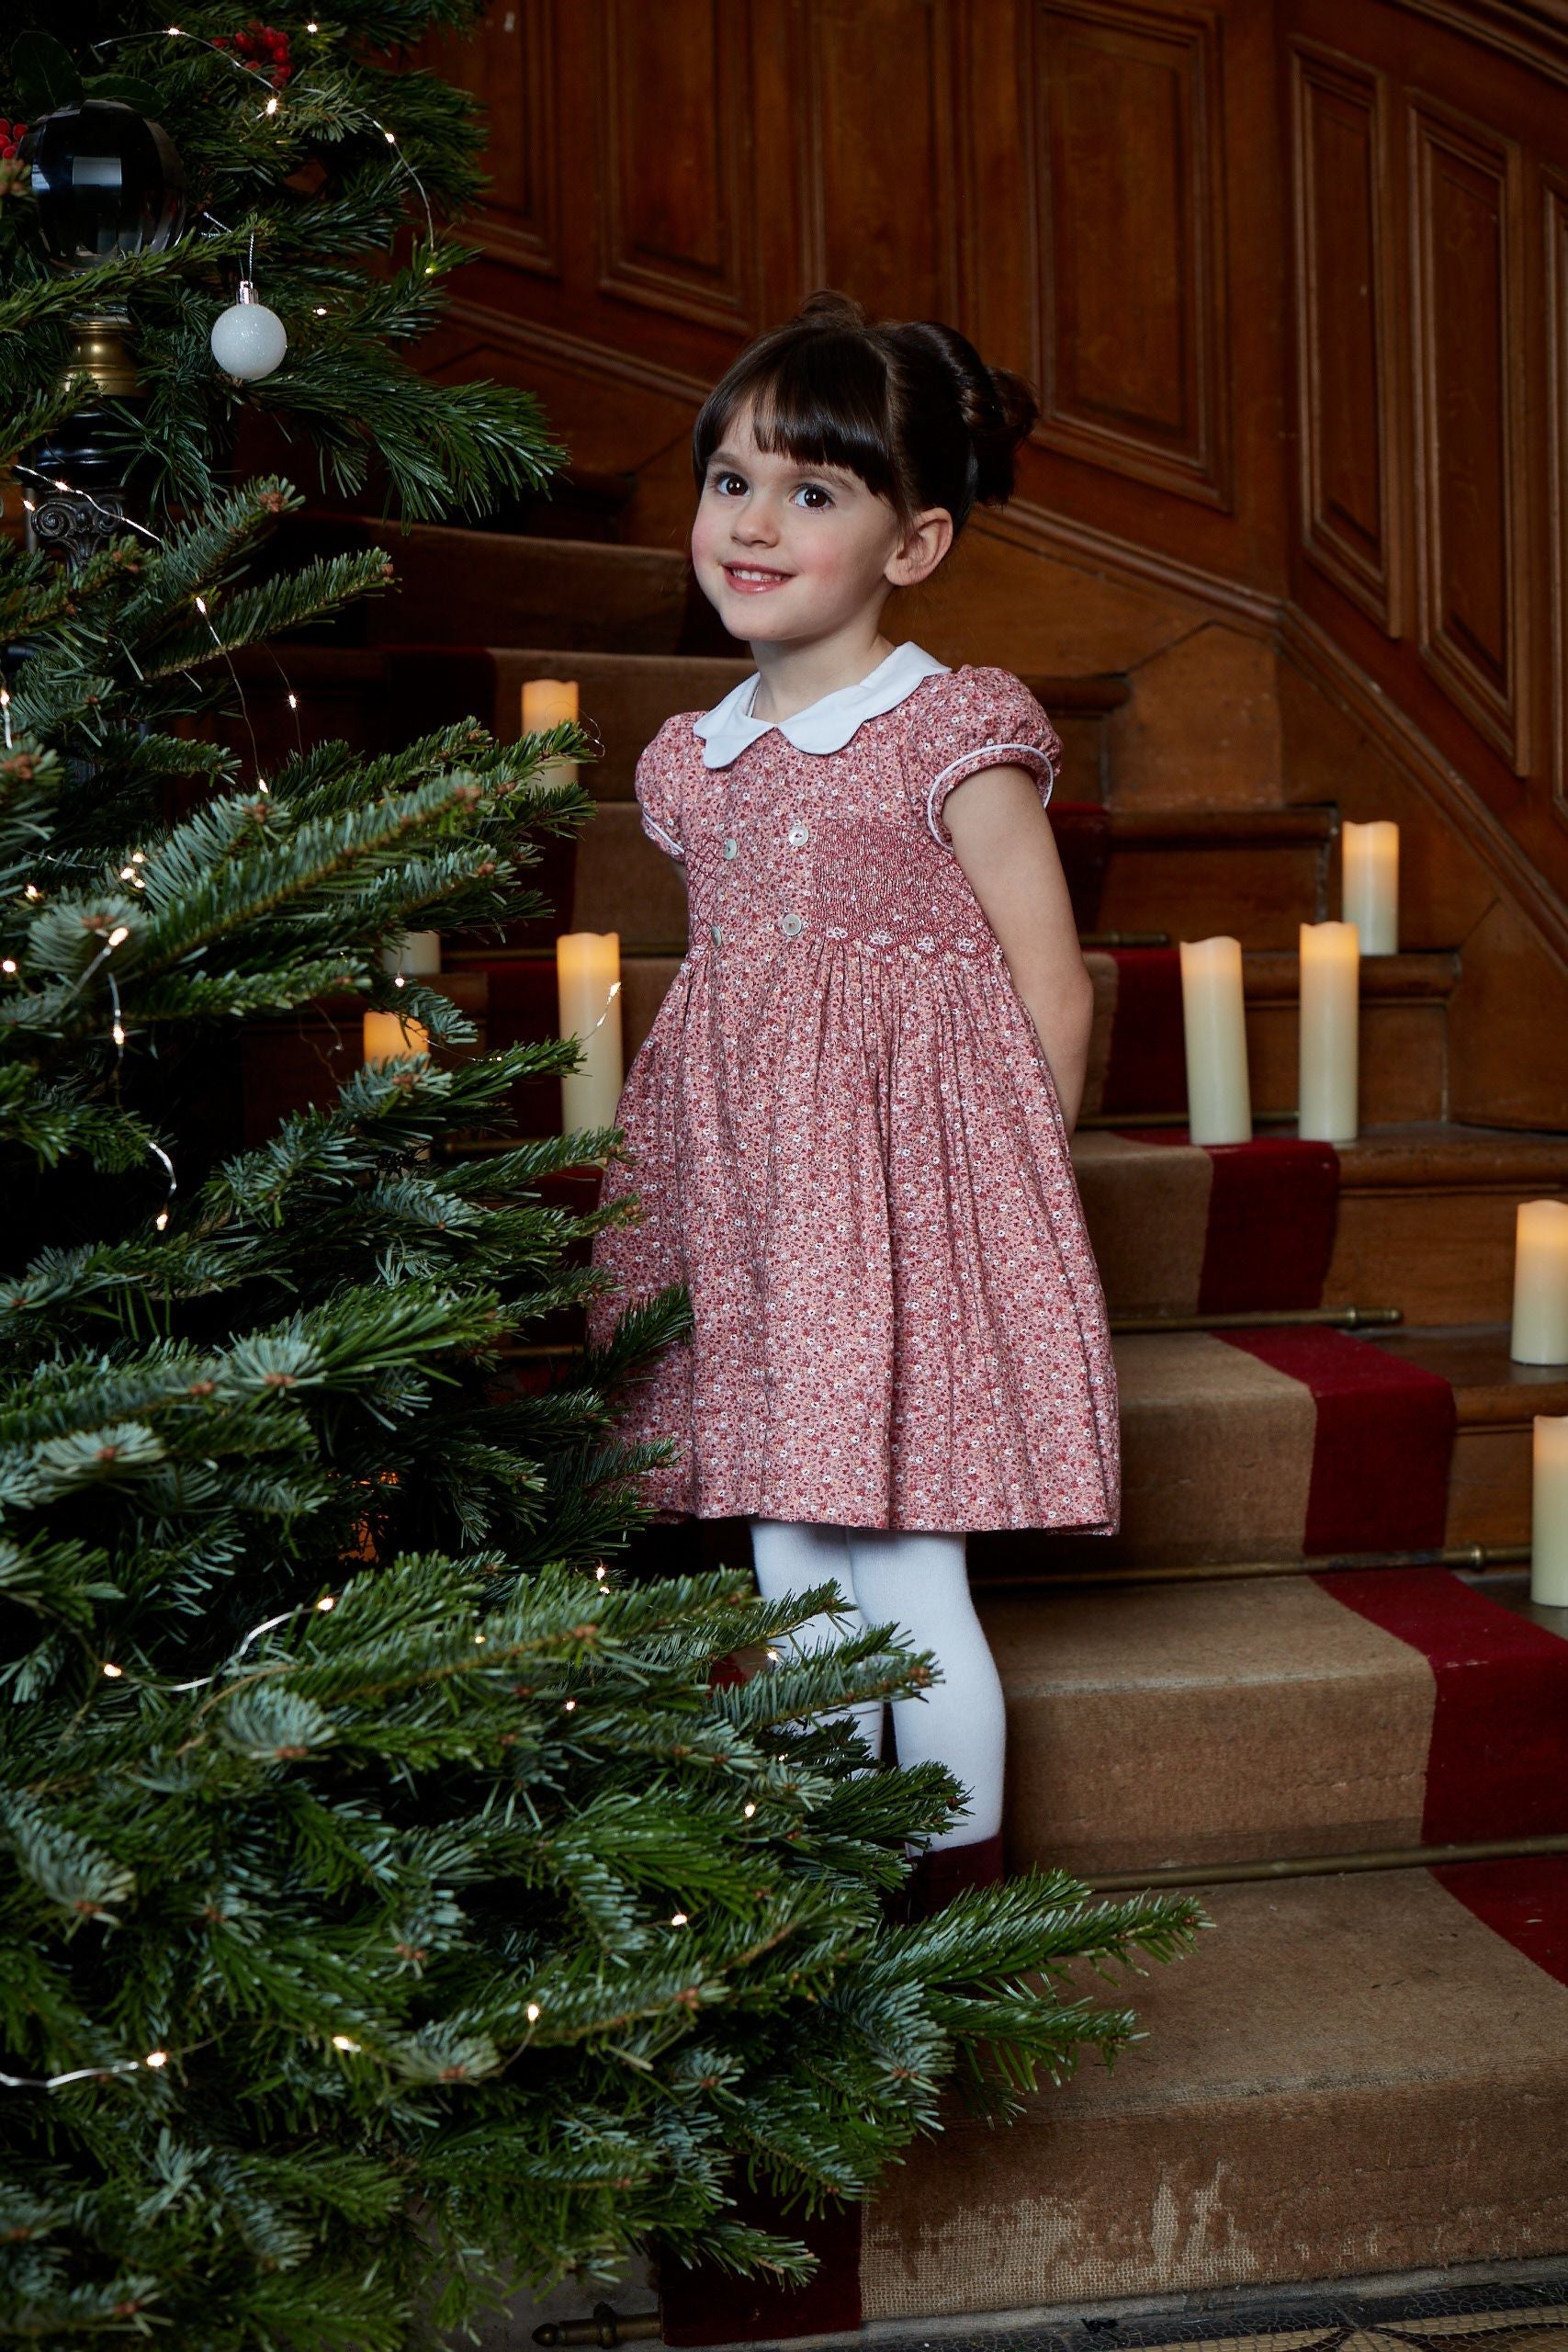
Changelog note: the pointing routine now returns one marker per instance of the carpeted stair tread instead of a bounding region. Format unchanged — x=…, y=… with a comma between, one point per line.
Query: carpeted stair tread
x=1352, y=2076
x=1279, y=1718
x=1261, y=1445
x=1418, y=1216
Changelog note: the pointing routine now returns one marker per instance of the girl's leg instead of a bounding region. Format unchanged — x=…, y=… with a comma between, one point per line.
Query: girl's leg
x=791, y=1557
x=919, y=1583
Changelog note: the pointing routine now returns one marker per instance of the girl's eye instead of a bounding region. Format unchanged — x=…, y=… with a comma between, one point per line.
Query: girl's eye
x=814, y=490
x=723, y=482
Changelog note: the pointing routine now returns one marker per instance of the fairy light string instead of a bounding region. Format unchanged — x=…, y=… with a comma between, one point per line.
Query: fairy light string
x=156, y=2060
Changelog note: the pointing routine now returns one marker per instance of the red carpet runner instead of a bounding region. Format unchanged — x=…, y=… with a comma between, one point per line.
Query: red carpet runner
x=1146, y=1068
x=1526, y=1903
x=1493, y=1768
x=1382, y=1445
x=1272, y=1205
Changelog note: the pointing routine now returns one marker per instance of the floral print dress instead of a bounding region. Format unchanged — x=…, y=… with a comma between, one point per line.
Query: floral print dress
x=846, y=1142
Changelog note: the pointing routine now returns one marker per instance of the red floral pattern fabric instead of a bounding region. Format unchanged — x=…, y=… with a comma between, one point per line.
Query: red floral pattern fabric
x=846, y=1141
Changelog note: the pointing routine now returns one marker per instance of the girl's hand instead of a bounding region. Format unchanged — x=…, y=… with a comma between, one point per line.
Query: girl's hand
x=1003, y=838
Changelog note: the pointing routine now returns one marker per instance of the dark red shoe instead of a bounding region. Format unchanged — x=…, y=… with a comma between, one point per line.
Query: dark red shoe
x=953, y=1870
x=707, y=2305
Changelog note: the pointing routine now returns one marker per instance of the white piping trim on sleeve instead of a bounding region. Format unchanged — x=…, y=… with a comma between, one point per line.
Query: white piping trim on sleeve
x=997, y=755
x=656, y=832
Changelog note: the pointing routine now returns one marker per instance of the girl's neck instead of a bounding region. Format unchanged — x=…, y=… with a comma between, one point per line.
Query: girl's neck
x=793, y=677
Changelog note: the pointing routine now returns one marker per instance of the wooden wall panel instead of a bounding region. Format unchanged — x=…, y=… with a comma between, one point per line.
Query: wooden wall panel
x=876, y=153
x=509, y=62
x=1131, y=352
x=1344, y=244
x=676, y=227
x=1554, y=194
x=1470, y=516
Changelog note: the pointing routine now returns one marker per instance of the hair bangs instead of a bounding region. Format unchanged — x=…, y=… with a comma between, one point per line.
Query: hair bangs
x=821, y=398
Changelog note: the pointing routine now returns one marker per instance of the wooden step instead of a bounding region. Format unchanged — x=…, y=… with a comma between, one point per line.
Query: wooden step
x=1350, y=2076
x=1159, y=1727
x=1423, y=1221
x=1217, y=1447
x=494, y=588
x=1254, y=875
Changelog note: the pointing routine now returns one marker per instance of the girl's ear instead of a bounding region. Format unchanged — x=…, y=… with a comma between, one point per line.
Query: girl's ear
x=922, y=548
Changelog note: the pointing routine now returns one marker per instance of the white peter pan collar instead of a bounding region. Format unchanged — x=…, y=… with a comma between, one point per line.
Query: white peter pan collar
x=826, y=725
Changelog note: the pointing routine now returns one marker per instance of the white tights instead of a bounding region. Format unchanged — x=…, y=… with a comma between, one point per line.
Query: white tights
x=920, y=1584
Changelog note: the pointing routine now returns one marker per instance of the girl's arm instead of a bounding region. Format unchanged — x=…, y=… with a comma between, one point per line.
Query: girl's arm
x=1002, y=839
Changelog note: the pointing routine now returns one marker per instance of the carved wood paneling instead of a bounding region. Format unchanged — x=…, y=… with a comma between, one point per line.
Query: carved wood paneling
x=1344, y=236
x=877, y=198
x=1555, y=225
x=508, y=62
x=1466, y=318
x=1132, y=350
x=676, y=223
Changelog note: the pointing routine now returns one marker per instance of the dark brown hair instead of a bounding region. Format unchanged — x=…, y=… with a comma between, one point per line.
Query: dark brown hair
x=909, y=407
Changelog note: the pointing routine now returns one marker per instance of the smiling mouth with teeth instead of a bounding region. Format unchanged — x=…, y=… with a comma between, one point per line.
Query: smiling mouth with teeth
x=750, y=576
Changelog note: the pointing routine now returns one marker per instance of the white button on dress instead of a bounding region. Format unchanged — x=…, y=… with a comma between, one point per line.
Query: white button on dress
x=792, y=925
x=799, y=834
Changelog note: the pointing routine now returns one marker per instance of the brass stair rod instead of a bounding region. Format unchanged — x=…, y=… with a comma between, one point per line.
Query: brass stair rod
x=607, y=2328
x=1480, y=1558
x=1174, y=1118
x=1266, y=1318
x=1389, y=1858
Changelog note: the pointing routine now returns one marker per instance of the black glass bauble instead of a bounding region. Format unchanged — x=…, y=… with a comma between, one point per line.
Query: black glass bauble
x=108, y=182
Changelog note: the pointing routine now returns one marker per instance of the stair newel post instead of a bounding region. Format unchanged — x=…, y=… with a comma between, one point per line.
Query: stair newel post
x=107, y=183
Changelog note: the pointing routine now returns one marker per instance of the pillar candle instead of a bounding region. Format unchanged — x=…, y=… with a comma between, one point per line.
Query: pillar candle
x=1540, y=1282
x=547, y=703
x=1372, y=885
x=1219, y=1100
x=417, y=956
x=1548, y=1531
x=390, y=1039
x=588, y=974
x=1331, y=979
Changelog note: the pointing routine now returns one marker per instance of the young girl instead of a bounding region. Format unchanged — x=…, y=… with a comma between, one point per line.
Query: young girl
x=849, y=1124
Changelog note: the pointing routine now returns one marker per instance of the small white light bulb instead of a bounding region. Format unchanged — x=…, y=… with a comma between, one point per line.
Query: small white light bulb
x=328, y=1600
x=119, y=936
x=748, y=1810
x=533, y=2012
x=679, y=1919
x=156, y=2058
x=342, y=2041
x=9, y=965
x=161, y=1220
x=113, y=1673
x=293, y=702
x=118, y=1033
x=570, y=1706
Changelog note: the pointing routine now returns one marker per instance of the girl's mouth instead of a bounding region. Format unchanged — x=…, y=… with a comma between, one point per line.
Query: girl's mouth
x=753, y=579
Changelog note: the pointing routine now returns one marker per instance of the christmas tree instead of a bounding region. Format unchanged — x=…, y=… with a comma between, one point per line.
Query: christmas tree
x=397, y=1895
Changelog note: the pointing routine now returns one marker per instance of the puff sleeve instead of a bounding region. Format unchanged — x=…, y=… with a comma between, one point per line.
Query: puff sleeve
x=988, y=718
x=657, y=783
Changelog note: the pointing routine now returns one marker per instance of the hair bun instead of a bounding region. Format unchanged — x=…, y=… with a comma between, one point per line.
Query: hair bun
x=827, y=309
x=997, y=407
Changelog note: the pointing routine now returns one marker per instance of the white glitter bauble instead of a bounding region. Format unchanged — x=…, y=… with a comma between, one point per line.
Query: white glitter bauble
x=248, y=340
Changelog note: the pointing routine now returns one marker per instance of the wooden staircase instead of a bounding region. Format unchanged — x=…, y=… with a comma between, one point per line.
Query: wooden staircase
x=1364, y=2070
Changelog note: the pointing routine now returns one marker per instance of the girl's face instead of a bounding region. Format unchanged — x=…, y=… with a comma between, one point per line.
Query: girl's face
x=788, y=552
